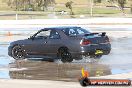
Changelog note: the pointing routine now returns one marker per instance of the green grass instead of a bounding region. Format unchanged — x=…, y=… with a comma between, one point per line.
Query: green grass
x=86, y=10
x=45, y=15
x=105, y=11
x=74, y=1
x=78, y=10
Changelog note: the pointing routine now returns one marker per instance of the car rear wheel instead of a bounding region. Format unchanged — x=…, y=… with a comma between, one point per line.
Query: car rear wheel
x=96, y=56
x=65, y=55
x=18, y=53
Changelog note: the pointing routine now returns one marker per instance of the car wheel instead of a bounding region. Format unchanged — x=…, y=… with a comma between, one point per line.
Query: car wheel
x=65, y=55
x=18, y=53
x=96, y=56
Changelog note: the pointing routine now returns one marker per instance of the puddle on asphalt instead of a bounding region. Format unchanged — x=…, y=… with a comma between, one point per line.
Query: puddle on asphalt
x=43, y=70
x=4, y=74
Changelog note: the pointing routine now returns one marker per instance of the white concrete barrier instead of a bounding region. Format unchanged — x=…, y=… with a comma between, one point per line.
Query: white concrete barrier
x=91, y=22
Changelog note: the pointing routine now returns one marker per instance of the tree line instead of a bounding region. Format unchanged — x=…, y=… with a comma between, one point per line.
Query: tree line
x=43, y=4
x=30, y=4
x=118, y=3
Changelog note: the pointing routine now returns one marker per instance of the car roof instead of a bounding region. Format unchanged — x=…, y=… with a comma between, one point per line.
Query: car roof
x=60, y=28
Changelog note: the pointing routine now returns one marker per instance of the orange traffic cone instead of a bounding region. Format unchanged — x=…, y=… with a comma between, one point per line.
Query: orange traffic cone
x=85, y=74
x=9, y=33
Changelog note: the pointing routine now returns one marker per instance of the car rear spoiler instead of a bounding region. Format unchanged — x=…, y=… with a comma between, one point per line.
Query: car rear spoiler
x=101, y=34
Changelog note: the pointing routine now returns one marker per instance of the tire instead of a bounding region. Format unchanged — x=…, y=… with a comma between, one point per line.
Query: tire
x=18, y=53
x=65, y=55
x=96, y=56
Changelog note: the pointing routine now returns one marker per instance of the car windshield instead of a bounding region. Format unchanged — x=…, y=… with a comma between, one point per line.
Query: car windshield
x=75, y=31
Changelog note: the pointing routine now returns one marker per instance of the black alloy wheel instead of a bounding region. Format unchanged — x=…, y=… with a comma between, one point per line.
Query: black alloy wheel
x=65, y=55
x=18, y=53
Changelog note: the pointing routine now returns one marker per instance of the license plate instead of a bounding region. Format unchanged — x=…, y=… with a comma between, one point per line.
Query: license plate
x=98, y=52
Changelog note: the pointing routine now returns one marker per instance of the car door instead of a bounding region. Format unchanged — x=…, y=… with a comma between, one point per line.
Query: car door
x=38, y=44
x=53, y=43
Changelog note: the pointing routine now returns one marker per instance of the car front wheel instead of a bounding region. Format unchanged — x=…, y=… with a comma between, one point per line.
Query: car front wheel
x=18, y=53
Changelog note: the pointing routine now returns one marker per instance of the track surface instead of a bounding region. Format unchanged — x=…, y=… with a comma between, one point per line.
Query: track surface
x=118, y=61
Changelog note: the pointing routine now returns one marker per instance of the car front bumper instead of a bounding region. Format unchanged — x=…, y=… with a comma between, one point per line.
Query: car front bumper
x=10, y=50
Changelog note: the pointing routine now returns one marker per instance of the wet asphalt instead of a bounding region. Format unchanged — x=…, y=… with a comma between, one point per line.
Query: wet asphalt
x=118, y=61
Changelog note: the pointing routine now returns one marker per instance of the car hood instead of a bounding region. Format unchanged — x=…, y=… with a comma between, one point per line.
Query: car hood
x=18, y=42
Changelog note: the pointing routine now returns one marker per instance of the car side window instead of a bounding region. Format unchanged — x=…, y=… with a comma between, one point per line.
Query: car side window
x=43, y=34
x=80, y=31
x=54, y=35
x=72, y=32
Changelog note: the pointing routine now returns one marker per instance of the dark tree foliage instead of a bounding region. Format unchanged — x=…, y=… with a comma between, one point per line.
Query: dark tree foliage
x=121, y=3
x=69, y=5
x=97, y=1
x=34, y=4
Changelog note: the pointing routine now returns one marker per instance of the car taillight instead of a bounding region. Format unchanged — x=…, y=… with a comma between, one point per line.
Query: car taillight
x=85, y=42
